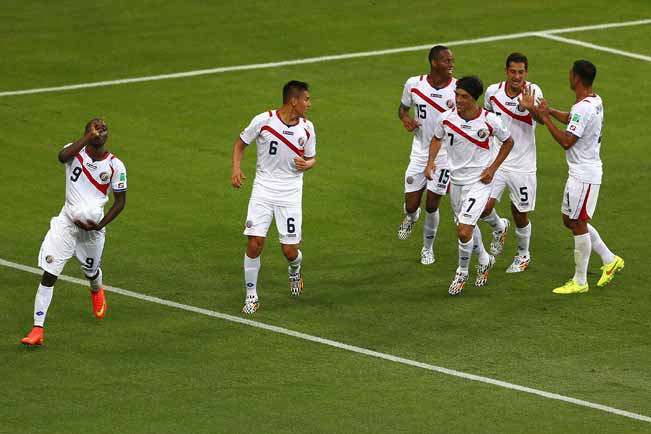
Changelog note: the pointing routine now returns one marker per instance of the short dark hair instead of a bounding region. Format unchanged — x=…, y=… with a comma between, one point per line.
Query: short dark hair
x=517, y=58
x=90, y=122
x=436, y=51
x=471, y=84
x=293, y=88
x=585, y=70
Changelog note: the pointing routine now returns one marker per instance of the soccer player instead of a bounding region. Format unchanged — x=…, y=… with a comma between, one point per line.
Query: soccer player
x=518, y=172
x=430, y=95
x=286, y=146
x=467, y=131
x=581, y=141
x=91, y=173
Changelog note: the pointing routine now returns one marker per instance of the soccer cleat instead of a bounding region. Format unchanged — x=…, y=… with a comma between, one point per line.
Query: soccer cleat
x=405, y=228
x=608, y=271
x=571, y=287
x=295, y=284
x=251, y=304
x=99, y=303
x=499, y=237
x=482, y=271
x=427, y=256
x=519, y=264
x=457, y=284
x=35, y=337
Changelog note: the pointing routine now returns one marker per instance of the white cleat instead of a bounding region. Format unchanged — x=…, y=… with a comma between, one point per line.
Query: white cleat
x=251, y=305
x=405, y=228
x=427, y=256
x=295, y=284
x=519, y=264
x=499, y=237
x=482, y=271
x=457, y=284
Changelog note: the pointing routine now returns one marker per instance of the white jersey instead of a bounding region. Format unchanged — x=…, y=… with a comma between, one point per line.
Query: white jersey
x=277, y=181
x=586, y=122
x=469, y=143
x=89, y=182
x=429, y=104
x=522, y=158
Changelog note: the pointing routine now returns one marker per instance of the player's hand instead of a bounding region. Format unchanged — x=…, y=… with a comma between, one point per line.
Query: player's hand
x=543, y=109
x=411, y=124
x=487, y=175
x=98, y=129
x=236, y=178
x=528, y=98
x=87, y=226
x=301, y=164
x=429, y=171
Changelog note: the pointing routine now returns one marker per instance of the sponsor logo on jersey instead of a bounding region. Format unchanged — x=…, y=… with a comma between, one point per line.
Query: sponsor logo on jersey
x=104, y=176
x=123, y=176
x=288, y=133
x=449, y=103
x=49, y=259
x=511, y=103
x=301, y=141
x=436, y=95
x=92, y=166
x=520, y=108
x=249, y=223
x=467, y=215
x=483, y=133
x=572, y=127
x=410, y=180
x=576, y=117
x=121, y=185
x=291, y=235
x=466, y=126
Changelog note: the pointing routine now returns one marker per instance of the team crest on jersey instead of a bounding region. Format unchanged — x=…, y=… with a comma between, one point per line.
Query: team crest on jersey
x=104, y=176
x=249, y=223
x=410, y=180
x=483, y=133
x=449, y=103
x=301, y=141
x=49, y=259
x=520, y=108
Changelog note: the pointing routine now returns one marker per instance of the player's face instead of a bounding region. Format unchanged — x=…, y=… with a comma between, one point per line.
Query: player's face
x=444, y=64
x=516, y=75
x=465, y=102
x=302, y=103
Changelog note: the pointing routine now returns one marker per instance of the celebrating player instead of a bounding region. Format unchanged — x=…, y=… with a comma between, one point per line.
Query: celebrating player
x=518, y=172
x=91, y=172
x=468, y=130
x=286, y=144
x=582, y=142
x=430, y=95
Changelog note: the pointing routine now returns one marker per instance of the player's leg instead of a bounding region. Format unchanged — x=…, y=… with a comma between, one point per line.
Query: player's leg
x=90, y=246
x=611, y=262
x=489, y=215
x=289, y=222
x=474, y=203
x=464, y=243
x=258, y=219
x=415, y=183
x=436, y=188
x=57, y=248
x=522, y=191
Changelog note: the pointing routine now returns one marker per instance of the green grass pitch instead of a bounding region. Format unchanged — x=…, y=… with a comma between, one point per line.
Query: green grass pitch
x=147, y=368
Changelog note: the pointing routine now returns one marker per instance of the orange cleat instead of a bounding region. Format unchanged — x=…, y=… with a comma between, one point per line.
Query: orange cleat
x=35, y=337
x=99, y=303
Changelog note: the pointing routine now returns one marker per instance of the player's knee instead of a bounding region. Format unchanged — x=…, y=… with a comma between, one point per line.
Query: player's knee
x=254, y=247
x=465, y=233
x=290, y=251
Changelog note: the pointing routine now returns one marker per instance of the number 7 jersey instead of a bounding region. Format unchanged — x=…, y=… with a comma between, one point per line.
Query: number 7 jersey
x=277, y=180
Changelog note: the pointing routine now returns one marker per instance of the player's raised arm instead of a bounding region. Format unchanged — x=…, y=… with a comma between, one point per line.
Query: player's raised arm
x=565, y=139
x=96, y=131
x=236, y=172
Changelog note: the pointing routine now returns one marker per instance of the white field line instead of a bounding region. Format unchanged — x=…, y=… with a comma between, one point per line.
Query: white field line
x=224, y=69
x=594, y=46
x=340, y=345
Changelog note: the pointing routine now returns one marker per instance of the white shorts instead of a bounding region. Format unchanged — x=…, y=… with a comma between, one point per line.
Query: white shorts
x=65, y=239
x=288, y=221
x=522, y=189
x=469, y=201
x=415, y=179
x=579, y=199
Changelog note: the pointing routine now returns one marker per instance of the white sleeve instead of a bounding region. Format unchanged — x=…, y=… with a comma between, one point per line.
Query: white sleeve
x=406, y=99
x=119, y=179
x=579, y=117
x=439, y=131
x=310, y=146
x=499, y=129
x=538, y=93
x=251, y=132
x=488, y=104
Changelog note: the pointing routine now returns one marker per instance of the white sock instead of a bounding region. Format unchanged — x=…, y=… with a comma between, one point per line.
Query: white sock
x=429, y=229
x=478, y=246
x=524, y=237
x=412, y=216
x=295, y=265
x=599, y=247
x=96, y=283
x=465, y=252
x=251, y=270
x=42, y=303
x=494, y=220
x=582, y=248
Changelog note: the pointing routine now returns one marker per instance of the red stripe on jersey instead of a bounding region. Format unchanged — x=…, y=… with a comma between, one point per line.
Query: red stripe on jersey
x=307, y=132
x=526, y=118
x=282, y=138
x=500, y=86
x=458, y=130
x=490, y=129
x=270, y=114
x=101, y=187
x=421, y=78
x=584, y=209
x=428, y=100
